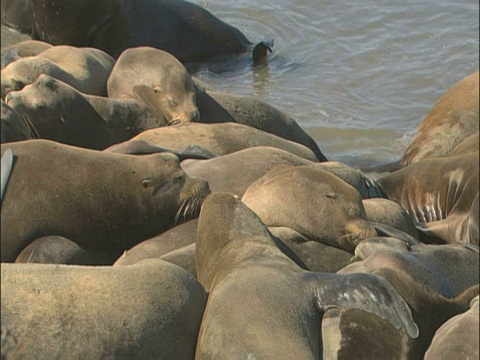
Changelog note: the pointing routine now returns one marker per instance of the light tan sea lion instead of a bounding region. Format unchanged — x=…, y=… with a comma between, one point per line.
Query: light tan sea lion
x=136, y=312
x=22, y=49
x=221, y=139
x=235, y=172
x=98, y=200
x=453, y=118
x=261, y=304
x=158, y=79
x=313, y=202
x=458, y=338
x=470, y=145
x=86, y=69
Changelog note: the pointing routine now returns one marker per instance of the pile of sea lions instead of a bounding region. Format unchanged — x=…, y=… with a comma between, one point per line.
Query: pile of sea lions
x=145, y=215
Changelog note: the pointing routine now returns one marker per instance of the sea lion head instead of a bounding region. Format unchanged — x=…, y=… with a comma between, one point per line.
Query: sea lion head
x=172, y=95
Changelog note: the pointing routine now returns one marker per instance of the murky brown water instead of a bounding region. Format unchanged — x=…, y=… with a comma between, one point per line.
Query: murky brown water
x=358, y=76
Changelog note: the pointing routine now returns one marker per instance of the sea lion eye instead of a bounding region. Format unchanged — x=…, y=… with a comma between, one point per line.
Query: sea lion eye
x=146, y=183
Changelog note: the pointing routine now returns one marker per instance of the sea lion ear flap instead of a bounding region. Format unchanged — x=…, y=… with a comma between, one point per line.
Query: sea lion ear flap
x=260, y=51
x=366, y=292
x=9, y=57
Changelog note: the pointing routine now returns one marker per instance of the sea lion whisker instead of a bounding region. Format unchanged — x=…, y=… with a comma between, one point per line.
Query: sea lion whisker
x=180, y=210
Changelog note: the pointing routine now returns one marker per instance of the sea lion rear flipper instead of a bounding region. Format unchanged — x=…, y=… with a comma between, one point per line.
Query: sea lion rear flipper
x=365, y=292
x=6, y=169
x=260, y=51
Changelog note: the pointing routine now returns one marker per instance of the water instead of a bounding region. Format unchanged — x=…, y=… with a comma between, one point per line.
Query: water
x=358, y=76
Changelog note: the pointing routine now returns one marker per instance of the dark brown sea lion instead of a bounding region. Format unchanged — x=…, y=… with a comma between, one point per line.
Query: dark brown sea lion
x=173, y=239
x=317, y=204
x=458, y=338
x=453, y=118
x=407, y=272
x=222, y=107
x=438, y=194
x=15, y=127
x=98, y=200
x=390, y=213
x=158, y=79
x=138, y=312
x=59, y=112
x=17, y=15
x=221, y=138
x=56, y=249
x=185, y=30
x=86, y=69
x=261, y=304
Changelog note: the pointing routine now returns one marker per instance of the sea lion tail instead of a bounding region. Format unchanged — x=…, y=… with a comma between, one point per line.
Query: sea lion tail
x=260, y=51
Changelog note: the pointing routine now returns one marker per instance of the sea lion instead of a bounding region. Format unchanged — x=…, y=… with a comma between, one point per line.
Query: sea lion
x=434, y=266
x=173, y=239
x=15, y=127
x=23, y=49
x=407, y=272
x=106, y=201
x=59, y=112
x=458, y=338
x=11, y=37
x=438, y=194
x=140, y=147
x=235, y=172
x=366, y=186
x=261, y=304
x=56, y=249
x=185, y=30
x=221, y=138
x=317, y=204
x=388, y=212
x=470, y=145
x=158, y=79
x=135, y=312
x=453, y=118
x=17, y=15
x=6, y=171
x=86, y=69
x=313, y=254
x=222, y=107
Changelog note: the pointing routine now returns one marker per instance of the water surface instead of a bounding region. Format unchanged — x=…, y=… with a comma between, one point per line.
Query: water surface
x=358, y=76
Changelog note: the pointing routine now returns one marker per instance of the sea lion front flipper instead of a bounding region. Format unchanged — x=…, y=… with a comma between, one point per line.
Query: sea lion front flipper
x=365, y=292
x=260, y=51
x=9, y=57
x=6, y=170
x=387, y=230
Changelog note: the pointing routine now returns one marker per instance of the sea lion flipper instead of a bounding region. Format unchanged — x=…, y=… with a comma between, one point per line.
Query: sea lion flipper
x=6, y=169
x=387, y=230
x=9, y=57
x=260, y=51
x=365, y=292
